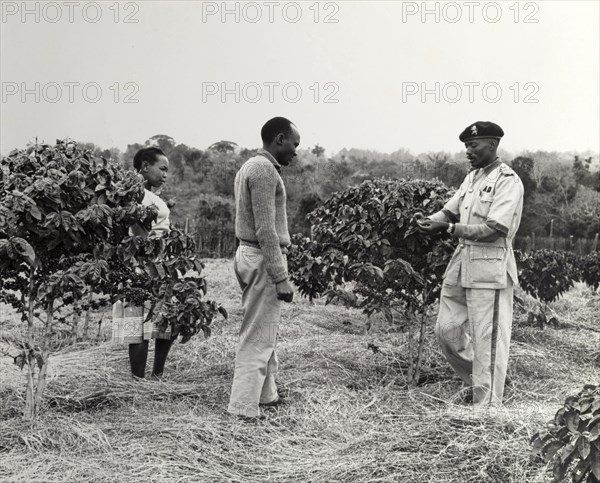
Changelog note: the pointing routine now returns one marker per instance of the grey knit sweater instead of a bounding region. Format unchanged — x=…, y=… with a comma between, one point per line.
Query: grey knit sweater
x=260, y=211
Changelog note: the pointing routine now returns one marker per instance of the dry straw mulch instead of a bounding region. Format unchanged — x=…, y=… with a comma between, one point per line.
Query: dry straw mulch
x=351, y=416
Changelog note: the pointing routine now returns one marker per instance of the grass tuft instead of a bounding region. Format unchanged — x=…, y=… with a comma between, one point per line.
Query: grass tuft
x=351, y=415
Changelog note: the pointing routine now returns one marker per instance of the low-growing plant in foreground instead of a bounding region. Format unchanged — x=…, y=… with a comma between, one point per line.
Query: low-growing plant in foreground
x=572, y=439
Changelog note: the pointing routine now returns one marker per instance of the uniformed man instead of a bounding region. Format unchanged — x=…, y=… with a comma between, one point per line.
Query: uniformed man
x=484, y=215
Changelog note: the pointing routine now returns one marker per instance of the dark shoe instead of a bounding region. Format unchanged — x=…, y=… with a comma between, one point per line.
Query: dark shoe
x=464, y=396
x=251, y=419
x=509, y=388
x=280, y=401
x=283, y=391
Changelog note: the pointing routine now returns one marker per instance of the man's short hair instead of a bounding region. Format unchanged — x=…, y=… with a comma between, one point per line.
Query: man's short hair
x=275, y=126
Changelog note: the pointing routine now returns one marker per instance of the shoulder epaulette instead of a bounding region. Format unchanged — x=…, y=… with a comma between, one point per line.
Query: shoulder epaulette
x=506, y=170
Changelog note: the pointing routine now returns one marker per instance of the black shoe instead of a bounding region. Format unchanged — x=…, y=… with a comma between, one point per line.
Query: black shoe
x=251, y=419
x=464, y=396
x=283, y=391
x=280, y=401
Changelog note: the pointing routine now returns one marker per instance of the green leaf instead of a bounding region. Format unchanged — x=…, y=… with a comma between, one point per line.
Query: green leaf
x=223, y=312
x=595, y=461
x=559, y=470
x=572, y=421
x=580, y=471
x=566, y=454
x=551, y=449
x=20, y=360
x=39, y=359
x=585, y=404
x=23, y=248
x=35, y=212
x=583, y=447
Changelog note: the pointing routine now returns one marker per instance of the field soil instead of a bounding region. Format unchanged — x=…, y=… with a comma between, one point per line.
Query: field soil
x=351, y=416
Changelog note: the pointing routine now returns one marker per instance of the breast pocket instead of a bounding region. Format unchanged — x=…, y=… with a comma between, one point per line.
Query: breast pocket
x=487, y=264
x=483, y=204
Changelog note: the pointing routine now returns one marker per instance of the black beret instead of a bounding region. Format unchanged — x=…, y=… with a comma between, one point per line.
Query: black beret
x=481, y=129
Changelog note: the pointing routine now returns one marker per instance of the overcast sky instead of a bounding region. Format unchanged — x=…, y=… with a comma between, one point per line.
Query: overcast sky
x=373, y=75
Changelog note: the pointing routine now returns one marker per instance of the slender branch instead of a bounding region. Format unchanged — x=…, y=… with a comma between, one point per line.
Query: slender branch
x=30, y=337
x=30, y=398
x=48, y=326
x=411, y=379
x=4, y=352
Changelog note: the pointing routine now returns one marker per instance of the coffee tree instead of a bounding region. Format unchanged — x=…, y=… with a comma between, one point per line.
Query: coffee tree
x=65, y=217
x=367, y=253
x=546, y=275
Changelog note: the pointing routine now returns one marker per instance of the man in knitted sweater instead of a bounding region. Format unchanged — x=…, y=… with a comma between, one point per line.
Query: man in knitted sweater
x=261, y=267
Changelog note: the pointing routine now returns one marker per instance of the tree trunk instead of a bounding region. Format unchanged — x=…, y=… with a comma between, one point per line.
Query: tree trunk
x=29, y=412
x=86, y=318
x=543, y=318
x=41, y=382
x=36, y=357
x=75, y=320
x=99, y=331
x=411, y=362
x=420, y=348
x=36, y=384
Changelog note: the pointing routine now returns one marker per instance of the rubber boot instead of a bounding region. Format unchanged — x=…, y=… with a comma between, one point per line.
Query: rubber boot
x=162, y=347
x=138, y=355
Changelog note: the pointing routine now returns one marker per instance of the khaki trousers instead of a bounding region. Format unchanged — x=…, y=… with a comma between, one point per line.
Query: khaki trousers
x=481, y=358
x=256, y=360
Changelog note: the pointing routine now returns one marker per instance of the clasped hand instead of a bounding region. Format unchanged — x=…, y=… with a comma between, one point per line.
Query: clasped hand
x=285, y=291
x=426, y=225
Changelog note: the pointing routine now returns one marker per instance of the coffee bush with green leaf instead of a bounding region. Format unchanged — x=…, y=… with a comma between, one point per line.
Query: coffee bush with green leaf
x=546, y=275
x=65, y=217
x=572, y=439
x=367, y=253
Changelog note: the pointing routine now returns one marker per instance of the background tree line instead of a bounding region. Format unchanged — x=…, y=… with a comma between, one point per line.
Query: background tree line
x=562, y=190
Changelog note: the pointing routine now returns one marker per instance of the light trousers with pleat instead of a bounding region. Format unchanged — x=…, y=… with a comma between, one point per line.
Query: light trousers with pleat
x=256, y=361
x=479, y=355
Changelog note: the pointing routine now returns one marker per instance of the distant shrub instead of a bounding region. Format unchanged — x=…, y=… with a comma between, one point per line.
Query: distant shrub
x=547, y=275
x=590, y=270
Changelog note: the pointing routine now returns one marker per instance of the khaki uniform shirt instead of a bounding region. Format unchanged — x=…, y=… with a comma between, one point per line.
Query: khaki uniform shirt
x=490, y=197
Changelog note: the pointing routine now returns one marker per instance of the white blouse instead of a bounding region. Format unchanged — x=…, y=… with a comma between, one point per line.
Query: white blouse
x=162, y=225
